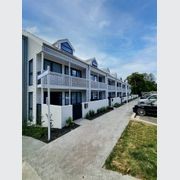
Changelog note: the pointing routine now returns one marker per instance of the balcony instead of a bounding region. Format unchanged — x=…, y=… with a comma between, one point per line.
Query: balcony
x=111, y=88
x=65, y=81
x=98, y=85
x=119, y=89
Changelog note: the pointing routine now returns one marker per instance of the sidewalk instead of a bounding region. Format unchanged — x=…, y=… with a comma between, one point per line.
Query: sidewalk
x=81, y=153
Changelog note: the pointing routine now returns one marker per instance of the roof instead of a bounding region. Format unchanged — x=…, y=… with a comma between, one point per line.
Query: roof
x=42, y=41
x=62, y=41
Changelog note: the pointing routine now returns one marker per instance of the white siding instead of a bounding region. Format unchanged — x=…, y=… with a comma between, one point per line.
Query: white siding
x=93, y=105
x=115, y=100
x=59, y=115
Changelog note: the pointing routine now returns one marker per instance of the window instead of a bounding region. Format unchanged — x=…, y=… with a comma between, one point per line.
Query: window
x=76, y=97
x=30, y=106
x=54, y=67
x=66, y=47
x=100, y=79
x=94, y=63
x=55, y=98
x=153, y=97
x=94, y=95
x=93, y=77
x=102, y=95
x=73, y=72
x=31, y=72
x=76, y=73
x=66, y=70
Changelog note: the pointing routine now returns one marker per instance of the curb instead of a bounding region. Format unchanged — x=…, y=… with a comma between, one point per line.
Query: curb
x=134, y=118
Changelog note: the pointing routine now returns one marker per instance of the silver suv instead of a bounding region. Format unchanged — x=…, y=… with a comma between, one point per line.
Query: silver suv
x=151, y=98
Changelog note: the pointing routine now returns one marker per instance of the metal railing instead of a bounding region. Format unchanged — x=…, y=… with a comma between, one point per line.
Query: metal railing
x=98, y=85
x=58, y=79
x=110, y=87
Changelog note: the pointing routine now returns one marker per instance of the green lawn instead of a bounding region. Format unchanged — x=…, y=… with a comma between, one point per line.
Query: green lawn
x=136, y=152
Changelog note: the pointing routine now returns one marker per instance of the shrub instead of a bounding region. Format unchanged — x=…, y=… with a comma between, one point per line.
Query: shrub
x=34, y=131
x=87, y=116
x=117, y=105
x=109, y=108
x=90, y=114
x=101, y=110
x=69, y=122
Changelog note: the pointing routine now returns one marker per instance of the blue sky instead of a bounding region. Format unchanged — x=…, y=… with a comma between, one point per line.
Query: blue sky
x=120, y=34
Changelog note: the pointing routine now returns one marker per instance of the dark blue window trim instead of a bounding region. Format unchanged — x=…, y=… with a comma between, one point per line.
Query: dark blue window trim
x=66, y=47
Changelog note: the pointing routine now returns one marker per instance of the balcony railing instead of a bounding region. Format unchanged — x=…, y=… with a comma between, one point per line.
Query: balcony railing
x=57, y=79
x=110, y=87
x=98, y=85
x=119, y=89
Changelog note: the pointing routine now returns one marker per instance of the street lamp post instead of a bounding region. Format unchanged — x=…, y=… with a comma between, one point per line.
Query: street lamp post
x=46, y=73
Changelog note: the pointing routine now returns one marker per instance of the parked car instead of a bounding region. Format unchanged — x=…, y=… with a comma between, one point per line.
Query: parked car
x=148, y=99
x=146, y=109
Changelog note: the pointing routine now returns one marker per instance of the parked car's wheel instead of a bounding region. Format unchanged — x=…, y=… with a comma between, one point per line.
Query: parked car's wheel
x=141, y=112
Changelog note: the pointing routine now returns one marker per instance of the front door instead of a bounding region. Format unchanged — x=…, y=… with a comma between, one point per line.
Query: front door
x=76, y=100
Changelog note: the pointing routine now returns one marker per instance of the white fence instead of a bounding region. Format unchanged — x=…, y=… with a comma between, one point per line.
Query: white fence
x=93, y=105
x=115, y=100
x=59, y=115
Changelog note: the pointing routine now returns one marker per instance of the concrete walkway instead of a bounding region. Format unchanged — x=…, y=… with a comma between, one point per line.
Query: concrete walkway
x=81, y=153
x=29, y=146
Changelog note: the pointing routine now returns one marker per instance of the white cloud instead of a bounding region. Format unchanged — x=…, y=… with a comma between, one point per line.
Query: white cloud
x=32, y=29
x=104, y=23
x=84, y=22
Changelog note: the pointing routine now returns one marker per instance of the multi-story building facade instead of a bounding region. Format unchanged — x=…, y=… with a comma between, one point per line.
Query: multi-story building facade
x=73, y=81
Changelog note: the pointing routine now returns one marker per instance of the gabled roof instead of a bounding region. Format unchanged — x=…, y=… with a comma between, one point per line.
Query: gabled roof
x=92, y=62
x=107, y=70
x=89, y=61
x=62, y=41
x=114, y=75
x=36, y=38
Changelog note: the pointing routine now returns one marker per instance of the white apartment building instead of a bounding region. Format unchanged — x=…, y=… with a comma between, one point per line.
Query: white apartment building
x=76, y=85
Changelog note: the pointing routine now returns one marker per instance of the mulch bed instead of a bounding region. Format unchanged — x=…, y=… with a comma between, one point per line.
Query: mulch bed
x=41, y=133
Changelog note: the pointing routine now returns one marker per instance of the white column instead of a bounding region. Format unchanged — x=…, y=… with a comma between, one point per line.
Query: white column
x=89, y=72
x=87, y=89
x=69, y=74
x=35, y=88
x=42, y=90
x=69, y=96
x=116, y=88
x=98, y=80
x=62, y=68
x=106, y=81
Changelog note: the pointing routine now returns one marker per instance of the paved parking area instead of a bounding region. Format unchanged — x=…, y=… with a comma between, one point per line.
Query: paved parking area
x=81, y=153
x=148, y=119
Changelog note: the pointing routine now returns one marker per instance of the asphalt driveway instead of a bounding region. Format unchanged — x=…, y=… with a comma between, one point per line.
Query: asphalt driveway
x=81, y=153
